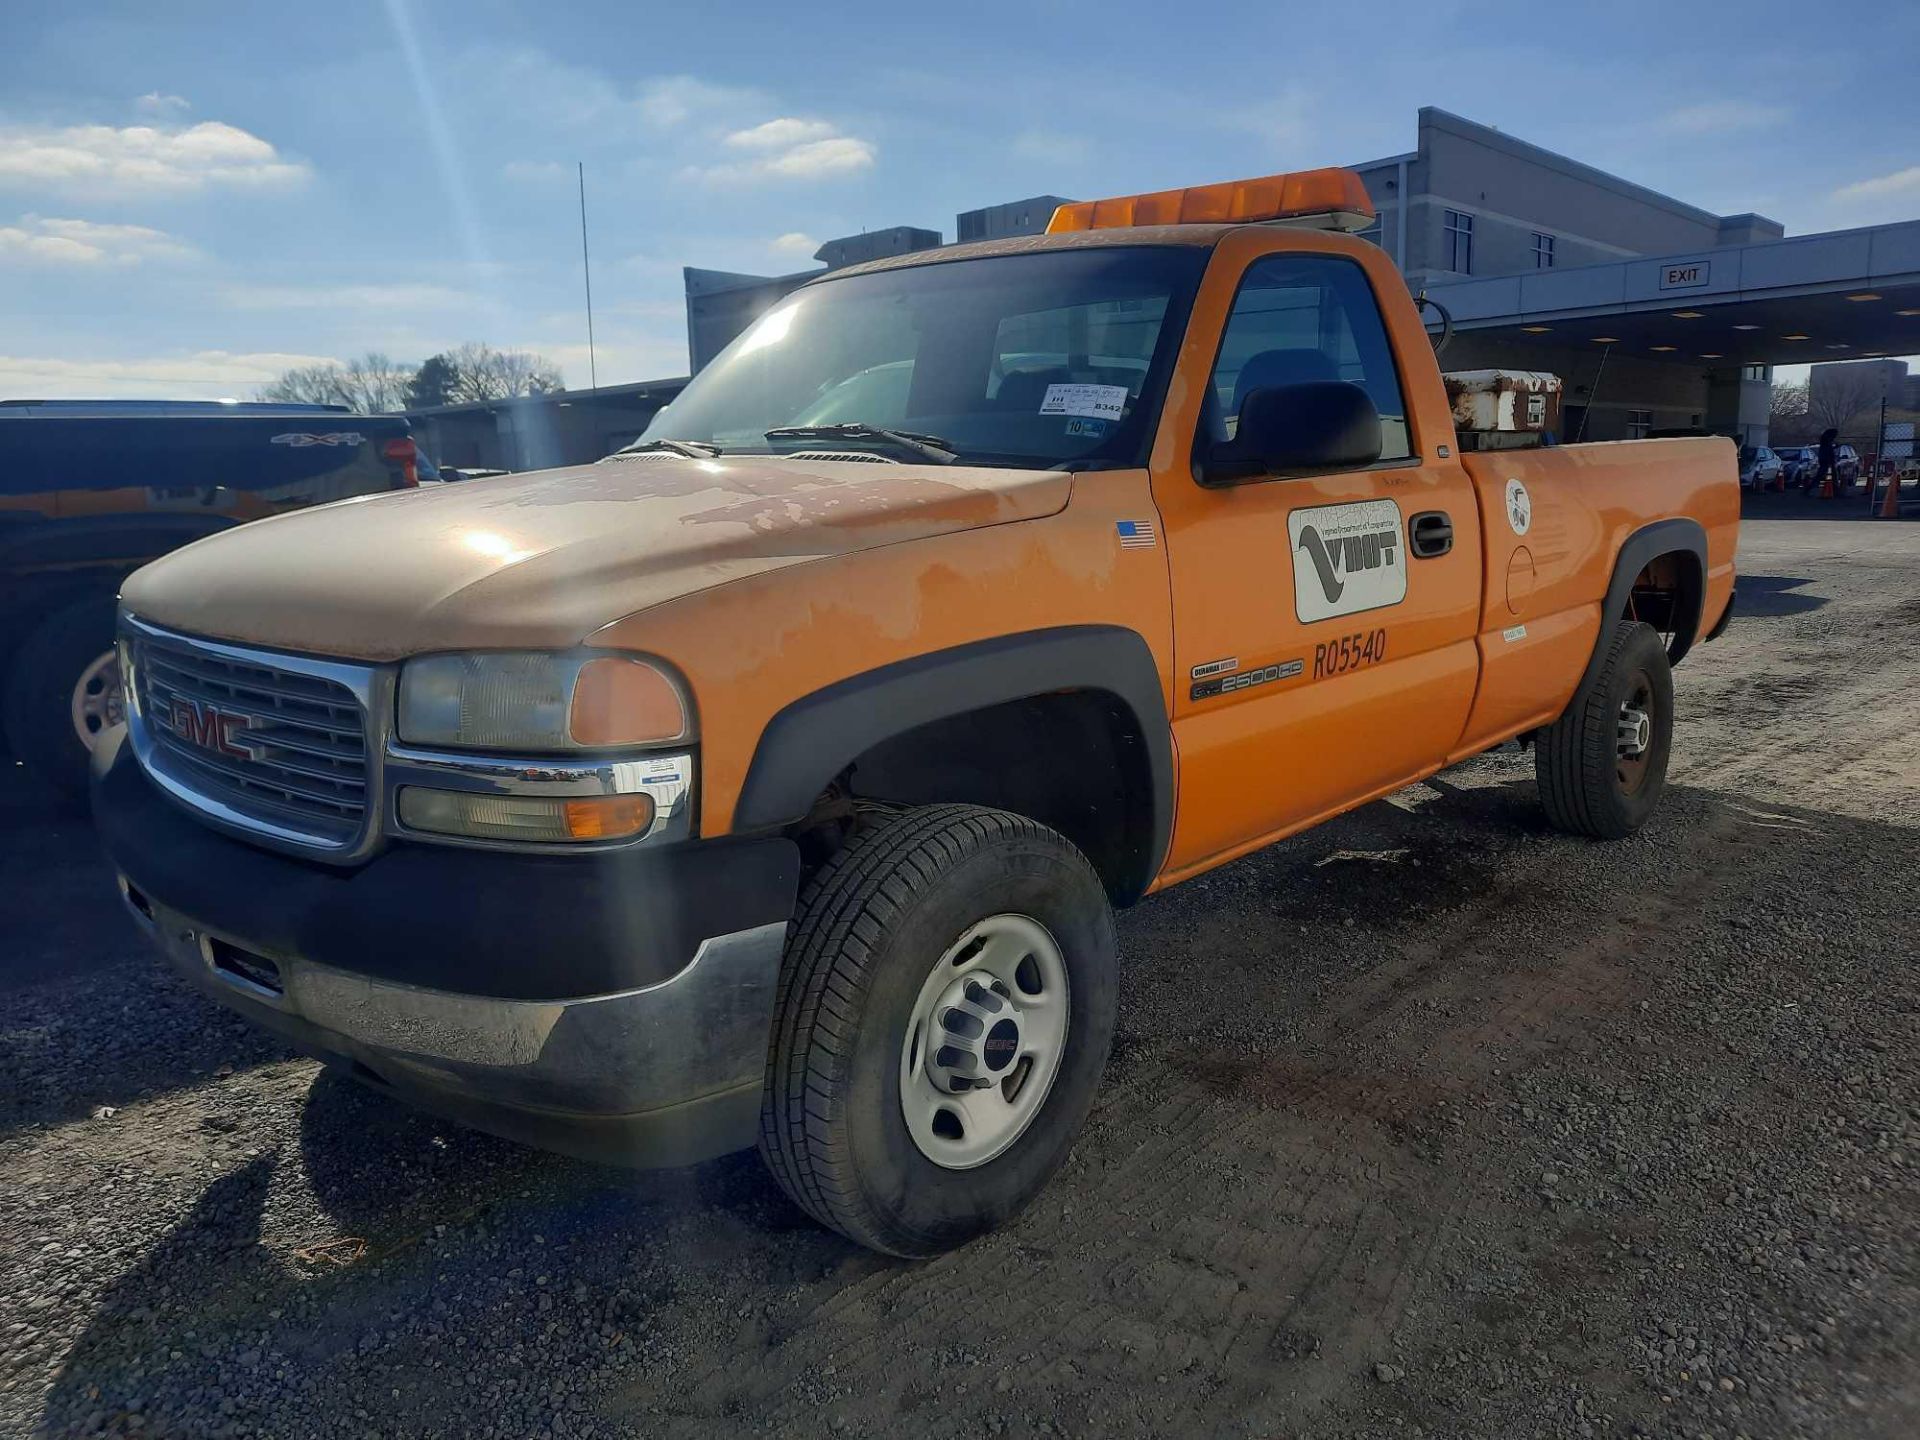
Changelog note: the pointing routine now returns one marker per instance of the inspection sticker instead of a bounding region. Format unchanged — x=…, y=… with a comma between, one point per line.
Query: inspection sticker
x=1097, y=402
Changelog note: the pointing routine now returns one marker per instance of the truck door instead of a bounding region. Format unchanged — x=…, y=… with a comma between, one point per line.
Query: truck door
x=1324, y=622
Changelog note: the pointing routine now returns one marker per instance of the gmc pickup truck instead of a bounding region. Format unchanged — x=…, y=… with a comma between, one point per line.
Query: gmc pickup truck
x=777, y=785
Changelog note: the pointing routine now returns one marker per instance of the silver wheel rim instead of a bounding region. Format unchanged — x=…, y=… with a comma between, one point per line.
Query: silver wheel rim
x=984, y=1042
x=98, y=703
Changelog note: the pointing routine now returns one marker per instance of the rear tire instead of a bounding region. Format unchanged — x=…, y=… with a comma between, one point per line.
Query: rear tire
x=1602, y=765
x=61, y=682
x=937, y=909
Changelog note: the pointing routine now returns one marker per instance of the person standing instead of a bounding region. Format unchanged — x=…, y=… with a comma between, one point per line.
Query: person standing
x=1824, y=461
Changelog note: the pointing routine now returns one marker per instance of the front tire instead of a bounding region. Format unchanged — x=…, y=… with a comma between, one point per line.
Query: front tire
x=1602, y=765
x=63, y=693
x=945, y=1011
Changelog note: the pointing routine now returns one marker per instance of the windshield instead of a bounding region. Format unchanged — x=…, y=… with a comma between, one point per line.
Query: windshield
x=1037, y=360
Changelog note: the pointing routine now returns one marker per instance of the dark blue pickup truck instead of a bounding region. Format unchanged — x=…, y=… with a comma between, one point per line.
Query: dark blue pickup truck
x=91, y=490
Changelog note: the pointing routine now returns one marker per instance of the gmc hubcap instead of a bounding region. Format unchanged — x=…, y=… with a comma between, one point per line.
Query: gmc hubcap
x=1633, y=733
x=97, y=701
x=984, y=1041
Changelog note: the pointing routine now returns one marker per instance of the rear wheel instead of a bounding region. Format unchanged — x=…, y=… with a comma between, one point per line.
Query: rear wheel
x=63, y=693
x=1602, y=765
x=945, y=1013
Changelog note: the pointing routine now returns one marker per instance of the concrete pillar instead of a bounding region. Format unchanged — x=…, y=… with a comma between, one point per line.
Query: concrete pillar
x=1739, y=402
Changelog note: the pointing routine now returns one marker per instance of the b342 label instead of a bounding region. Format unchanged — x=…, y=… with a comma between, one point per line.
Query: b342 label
x=1349, y=652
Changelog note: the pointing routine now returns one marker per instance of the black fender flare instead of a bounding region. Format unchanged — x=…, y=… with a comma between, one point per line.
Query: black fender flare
x=1679, y=535
x=818, y=735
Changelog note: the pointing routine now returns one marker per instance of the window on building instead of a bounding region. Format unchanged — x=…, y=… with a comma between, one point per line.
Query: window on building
x=1459, y=235
x=1300, y=318
x=1639, y=422
x=1542, y=251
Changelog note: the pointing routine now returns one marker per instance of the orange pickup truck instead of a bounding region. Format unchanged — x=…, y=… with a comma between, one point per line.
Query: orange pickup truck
x=775, y=782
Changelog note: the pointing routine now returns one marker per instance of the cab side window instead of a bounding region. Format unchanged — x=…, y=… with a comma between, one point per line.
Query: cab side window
x=1300, y=318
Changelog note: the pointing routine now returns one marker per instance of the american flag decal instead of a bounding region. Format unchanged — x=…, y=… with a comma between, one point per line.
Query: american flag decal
x=1134, y=534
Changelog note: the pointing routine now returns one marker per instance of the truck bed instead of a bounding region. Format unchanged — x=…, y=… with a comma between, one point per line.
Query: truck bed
x=1543, y=591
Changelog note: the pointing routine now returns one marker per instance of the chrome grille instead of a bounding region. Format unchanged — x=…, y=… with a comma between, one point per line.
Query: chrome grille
x=293, y=760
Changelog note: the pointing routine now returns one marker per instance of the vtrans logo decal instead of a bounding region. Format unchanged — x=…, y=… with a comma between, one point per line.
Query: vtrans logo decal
x=1347, y=558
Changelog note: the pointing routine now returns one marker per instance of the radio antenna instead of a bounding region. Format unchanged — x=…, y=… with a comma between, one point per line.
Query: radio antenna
x=586, y=270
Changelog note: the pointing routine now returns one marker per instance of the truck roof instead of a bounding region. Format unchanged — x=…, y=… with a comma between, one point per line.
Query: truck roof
x=1025, y=244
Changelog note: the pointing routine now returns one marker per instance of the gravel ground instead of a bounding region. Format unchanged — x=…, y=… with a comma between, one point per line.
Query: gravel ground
x=1428, y=1123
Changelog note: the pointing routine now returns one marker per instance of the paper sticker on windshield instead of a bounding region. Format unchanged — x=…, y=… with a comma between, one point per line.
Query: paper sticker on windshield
x=1094, y=428
x=1096, y=402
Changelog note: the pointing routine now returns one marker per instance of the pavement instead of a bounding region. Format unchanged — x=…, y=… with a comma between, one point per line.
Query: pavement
x=1429, y=1122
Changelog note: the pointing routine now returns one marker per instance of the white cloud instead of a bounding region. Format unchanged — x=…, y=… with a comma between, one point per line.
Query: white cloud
x=110, y=159
x=389, y=299
x=781, y=134
x=1881, y=187
x=155, y=102
x=53, y=241
x=1720, y=117
x=816, y=159
x=196, y=375
x=795, y=243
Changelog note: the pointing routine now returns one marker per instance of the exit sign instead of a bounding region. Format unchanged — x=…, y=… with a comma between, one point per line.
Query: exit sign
x=1684, y=277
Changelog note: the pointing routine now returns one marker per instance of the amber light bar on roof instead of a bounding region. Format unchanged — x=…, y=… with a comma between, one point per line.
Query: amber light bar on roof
x=1330, y=199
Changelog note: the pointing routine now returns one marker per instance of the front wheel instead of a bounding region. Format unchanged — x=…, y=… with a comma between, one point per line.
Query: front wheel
x=1602, y=765
x=945, y=1012
x=63, y=693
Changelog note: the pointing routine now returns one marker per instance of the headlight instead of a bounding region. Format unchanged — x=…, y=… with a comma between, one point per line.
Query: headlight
x=523, y=701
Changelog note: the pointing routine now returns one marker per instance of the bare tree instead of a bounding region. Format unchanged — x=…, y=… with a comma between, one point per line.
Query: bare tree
x=375, y=385
x=1787, y=420
x=1841, y=396
x=371, y=385
x=484, y=373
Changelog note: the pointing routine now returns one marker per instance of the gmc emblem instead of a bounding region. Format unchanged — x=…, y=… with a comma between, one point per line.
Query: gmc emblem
x=209, y=727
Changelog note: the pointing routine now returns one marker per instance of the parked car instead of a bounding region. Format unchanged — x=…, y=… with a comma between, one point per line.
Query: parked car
x=1797, y=462
x=755, y=796
x=1846, y=465
x=92, y=489
x=1759, y=467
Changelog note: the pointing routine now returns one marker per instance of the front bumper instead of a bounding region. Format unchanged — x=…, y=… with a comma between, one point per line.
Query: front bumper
x=613, y=1006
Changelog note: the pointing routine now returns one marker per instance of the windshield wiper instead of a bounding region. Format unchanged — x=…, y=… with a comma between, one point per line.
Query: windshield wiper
x=691, y=449
x=930, y=447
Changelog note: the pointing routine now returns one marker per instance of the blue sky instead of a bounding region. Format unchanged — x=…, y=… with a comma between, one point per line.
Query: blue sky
x=194, y=196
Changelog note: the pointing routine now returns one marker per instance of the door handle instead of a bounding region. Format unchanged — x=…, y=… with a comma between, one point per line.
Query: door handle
x=1432, y=534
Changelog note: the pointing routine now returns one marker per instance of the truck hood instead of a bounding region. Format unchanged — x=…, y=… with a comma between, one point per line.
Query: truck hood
x=543, y=560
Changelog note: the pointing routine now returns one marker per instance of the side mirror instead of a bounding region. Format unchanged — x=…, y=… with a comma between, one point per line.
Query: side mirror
x=1317, y=426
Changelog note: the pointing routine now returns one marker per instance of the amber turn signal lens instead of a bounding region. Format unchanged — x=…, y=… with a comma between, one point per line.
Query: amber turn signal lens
x=523, y=818
x=608, y=817
x=621, y=701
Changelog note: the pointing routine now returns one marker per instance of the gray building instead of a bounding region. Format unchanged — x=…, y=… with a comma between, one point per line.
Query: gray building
x=1859, y=382
x=1471, y=200
x=1016, y=217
